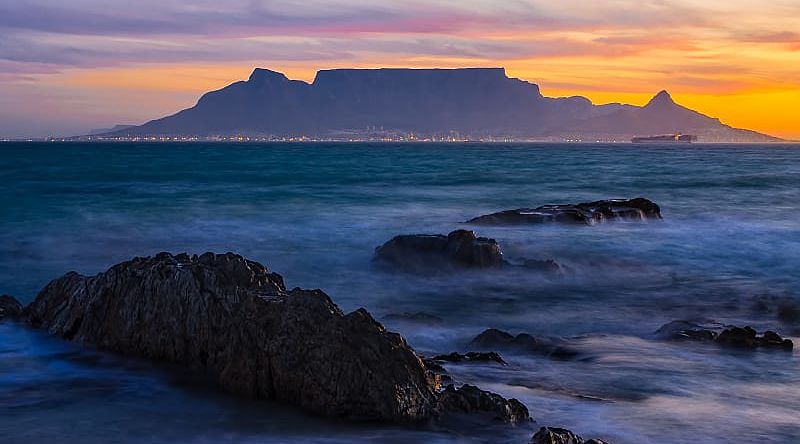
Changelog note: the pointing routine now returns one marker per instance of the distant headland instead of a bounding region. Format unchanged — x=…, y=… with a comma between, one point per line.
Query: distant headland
x=418, y=104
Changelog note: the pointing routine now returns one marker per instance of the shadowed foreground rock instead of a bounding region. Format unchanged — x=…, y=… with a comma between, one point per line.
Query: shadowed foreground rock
x=555, y=435
x=471, y=399
x=234, y=318
x=10, y=308
x=584, y=213
x=734, y=337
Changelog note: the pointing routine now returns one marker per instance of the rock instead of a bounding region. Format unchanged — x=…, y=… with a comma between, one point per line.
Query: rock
x=471, y=399
x=789, y=312
x=9, y=307
x=494, y=339
x=425, y=252
x=584, y=213
x=735, y=337
x=685, y=330
x=413, y=318
x=548, y=265
x=748, y=338
x=471, y=357
x=235, y=320
x=555, y=435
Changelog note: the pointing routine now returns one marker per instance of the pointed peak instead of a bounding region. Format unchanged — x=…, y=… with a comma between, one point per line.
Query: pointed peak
x=261, y=74
x=662, y=98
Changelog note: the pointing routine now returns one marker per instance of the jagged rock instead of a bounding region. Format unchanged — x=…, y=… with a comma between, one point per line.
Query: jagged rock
x=413, y=318
x=423, y=252
x=736, y=337
x=471, y=357
x=9, y=307
x=748, y=338
x=471, y=399
x=234, y=319
x=494, y=339
x=584, y=213
x=555, y=435
x=685, y=330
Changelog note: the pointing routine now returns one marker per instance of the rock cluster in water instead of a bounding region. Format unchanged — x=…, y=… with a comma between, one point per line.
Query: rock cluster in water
x=736, y=337
x=584, y=213
x=494, y=339
x=555, y=435
x=234, y=319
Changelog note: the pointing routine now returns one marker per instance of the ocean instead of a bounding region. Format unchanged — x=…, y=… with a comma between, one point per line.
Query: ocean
x=727, y=251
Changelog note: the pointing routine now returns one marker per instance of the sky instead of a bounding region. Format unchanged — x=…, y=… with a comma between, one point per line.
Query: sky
x=68, y=66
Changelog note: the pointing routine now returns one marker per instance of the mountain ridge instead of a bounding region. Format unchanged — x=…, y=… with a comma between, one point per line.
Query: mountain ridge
x=470, y=102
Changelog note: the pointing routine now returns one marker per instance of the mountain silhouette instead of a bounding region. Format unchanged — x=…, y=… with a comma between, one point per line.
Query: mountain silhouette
x=474, y=102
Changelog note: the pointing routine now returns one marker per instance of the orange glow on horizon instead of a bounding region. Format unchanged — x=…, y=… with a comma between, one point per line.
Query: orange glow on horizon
x=768, y=110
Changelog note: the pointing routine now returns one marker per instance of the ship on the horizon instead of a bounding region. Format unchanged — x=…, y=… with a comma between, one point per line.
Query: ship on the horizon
x=668, y=138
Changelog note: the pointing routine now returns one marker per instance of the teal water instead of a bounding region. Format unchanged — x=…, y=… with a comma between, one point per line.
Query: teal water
x=315, y=212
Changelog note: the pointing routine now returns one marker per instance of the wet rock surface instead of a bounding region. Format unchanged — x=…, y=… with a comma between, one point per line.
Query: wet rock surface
x=426, y=252
x=10, y=308
x=494, y=339
x=734, y=337
x=587, y=213
x=555, y=435
x=469, y=399
x=235, y=320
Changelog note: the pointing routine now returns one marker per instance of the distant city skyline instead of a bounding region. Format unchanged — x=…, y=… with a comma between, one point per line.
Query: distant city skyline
x=71, y=67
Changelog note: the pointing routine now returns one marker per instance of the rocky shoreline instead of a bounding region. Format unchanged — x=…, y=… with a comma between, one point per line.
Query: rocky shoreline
x=235, y=320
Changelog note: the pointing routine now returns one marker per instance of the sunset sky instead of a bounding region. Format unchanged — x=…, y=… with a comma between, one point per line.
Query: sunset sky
x=70, y=66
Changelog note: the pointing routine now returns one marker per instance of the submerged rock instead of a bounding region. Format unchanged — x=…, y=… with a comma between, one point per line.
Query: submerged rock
x=494, y=339
x=471, y=357
x=685, y=331
x=414, y=318
x=458, y=250
x=471, y=399
x=10, y=308
x=422, y=252
x=584, y=213
x=748, y=338
x=735, y=337
x=556, y=435
x=234, y=319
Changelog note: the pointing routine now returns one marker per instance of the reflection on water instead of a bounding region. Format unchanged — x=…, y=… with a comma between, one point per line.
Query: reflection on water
x=726, y=251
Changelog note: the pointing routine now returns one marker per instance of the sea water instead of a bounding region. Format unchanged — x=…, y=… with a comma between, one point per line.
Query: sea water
x=727, y=249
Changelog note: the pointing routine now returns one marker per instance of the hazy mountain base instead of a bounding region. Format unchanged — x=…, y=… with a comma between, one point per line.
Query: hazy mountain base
x=474, y=103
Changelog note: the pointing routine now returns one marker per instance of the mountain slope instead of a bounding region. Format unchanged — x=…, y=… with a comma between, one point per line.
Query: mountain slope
x=474, y=102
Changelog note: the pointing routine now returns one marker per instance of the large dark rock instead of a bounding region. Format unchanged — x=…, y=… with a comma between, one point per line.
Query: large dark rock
x=471, y=399
x=555, y=435
x=734, y=337
x=234, y=319
x=584, y=213
x=9, y=307
x=494, y=339
x=424, y=252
